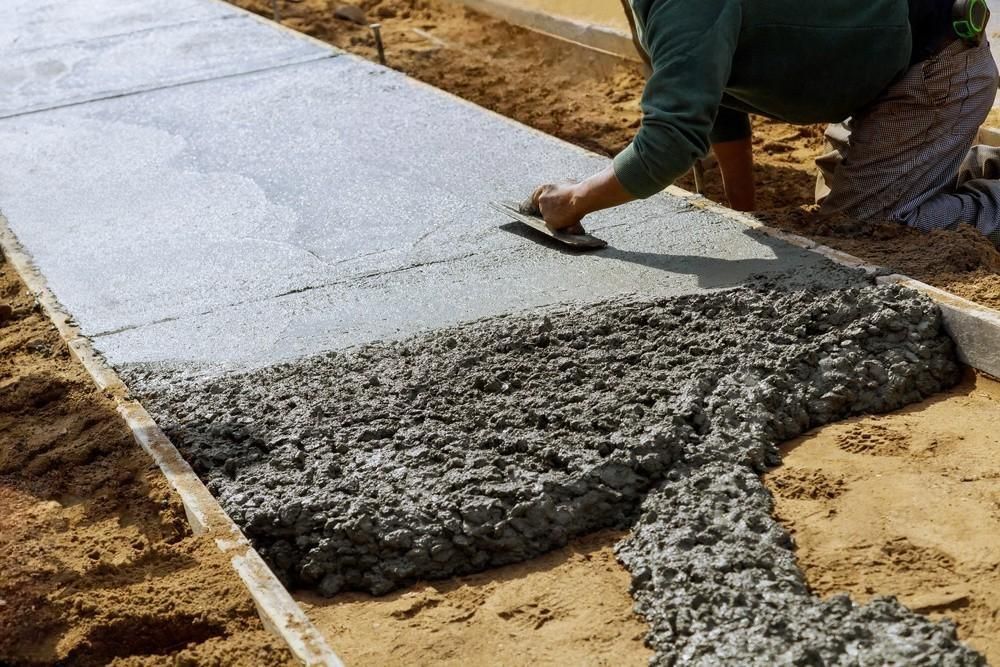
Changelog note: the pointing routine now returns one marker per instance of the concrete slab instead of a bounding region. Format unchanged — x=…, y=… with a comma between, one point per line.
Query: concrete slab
x=181, y=53
x=688, y=252
x=35, y=24
x=186, y=200
x=176, y=203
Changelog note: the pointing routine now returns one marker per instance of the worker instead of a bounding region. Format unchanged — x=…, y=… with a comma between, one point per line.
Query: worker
x=907, y=84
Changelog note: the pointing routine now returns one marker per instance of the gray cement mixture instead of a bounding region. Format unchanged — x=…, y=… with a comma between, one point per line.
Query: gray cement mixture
x=715, y=576
x=493, y=442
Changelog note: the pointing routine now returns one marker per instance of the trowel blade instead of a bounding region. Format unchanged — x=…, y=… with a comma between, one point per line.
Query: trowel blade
x=582, y=241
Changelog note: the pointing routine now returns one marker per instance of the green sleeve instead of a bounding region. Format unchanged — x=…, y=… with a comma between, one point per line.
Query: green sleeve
x=691, y=46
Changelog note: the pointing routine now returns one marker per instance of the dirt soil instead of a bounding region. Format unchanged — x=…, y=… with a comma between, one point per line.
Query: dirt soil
x=539, y=81
x=98, y=565
x=569, y=607
x=906, y=504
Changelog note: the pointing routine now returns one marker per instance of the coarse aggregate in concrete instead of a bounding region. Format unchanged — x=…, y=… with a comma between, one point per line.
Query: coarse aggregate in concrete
x=714, y=574
x=44, y=78
x=179, y=218
x=495, y=441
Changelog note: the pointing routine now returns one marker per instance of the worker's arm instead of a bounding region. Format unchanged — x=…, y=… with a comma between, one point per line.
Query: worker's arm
x=563, y=205
x=691, y=47
x=736, y=163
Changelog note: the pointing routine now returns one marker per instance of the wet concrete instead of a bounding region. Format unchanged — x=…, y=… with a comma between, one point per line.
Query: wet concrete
x=286, y=212
x=715, y=576
x=492, y=442
x=43, y=78
x=399, y=303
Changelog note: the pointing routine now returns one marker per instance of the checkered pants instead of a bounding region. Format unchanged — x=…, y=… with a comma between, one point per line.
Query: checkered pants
x=907, y=156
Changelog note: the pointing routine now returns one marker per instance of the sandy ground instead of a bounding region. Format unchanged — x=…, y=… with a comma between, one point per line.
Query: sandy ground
x=569, y=607
x=540, y=82
x=98, y=565
x=906, y=504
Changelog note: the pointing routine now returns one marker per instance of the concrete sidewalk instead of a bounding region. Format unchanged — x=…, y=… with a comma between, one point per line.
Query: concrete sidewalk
x=233, y=192
x=201, y=187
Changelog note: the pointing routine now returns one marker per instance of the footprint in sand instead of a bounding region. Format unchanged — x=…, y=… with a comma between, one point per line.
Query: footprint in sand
x=874, y=440
x=806, y=484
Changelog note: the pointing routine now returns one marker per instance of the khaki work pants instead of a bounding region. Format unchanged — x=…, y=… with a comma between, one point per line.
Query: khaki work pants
x=909, y=156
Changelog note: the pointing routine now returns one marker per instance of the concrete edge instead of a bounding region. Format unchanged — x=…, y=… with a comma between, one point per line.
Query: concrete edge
x=239, y=11
x=278, y=611
x=974, y=328
x=592, y=35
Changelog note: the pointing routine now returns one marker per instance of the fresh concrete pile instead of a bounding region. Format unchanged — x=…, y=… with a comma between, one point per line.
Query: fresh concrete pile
x=495, y=441
x=715, y=576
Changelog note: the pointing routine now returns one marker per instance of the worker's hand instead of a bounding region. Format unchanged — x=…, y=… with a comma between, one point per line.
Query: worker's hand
x=563, y=205
x=557, y=203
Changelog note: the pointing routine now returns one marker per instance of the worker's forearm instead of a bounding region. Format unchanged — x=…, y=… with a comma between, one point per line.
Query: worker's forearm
x=600, y=191
x=736, y=163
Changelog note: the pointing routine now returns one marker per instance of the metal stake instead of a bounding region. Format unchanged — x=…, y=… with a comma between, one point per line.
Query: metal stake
x=377, y=31
x=699, y=176
x=274, y=11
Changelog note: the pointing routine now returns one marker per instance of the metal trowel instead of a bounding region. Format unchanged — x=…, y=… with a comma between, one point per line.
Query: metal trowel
x=575, y=237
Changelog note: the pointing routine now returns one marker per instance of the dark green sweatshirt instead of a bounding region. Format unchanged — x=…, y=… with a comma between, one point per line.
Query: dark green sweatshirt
x=800, y=61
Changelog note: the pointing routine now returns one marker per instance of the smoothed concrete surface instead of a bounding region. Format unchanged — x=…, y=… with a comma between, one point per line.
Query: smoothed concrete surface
x=201, y=206
x=35, y=24
x=399, y=303
x=43, y=78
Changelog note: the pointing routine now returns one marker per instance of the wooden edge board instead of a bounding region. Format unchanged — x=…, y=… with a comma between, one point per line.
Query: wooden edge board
x=988, y=136
x=278, y=611
x=594, y=36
